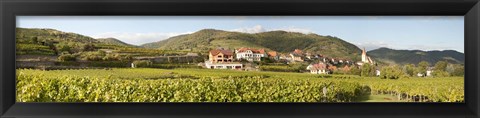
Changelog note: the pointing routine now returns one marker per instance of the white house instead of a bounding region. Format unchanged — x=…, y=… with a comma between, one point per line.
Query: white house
x=297, y=55
x=250, y=54
x=427, y=73
x=319, y=68
x=224, y=65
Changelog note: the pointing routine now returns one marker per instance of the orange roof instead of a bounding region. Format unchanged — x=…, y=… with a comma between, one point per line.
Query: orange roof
x=319, y=66
x=243, y=49
x=298, y=51
x=272, y=53
x=215, y=52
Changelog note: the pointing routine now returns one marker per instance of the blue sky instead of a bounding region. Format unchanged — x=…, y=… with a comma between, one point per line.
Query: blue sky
x=371, y=32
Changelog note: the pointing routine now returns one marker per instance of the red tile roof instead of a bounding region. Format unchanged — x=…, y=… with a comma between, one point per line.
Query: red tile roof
x=298, y=51
x=243, y=49
x=319, y=66
x=215, y=52
x=272, y=53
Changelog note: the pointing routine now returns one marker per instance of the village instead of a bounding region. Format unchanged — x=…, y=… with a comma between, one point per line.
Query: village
x=247, y=59
x=243, y=58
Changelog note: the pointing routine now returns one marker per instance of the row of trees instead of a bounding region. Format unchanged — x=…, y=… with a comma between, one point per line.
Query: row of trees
x=440, y=69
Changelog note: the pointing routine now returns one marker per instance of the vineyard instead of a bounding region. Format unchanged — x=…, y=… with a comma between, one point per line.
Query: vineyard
x=204, y=85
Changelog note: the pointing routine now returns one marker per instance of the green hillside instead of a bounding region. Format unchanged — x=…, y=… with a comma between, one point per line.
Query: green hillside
x=113, y=41
x=280, y=41
x=391, y=56
x=27, y=34
x=36, y=41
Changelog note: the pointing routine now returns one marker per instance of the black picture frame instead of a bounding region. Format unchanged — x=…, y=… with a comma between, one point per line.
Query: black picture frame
x=470, y=9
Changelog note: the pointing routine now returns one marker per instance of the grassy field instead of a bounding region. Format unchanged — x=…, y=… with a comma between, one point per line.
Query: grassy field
x=205, y=85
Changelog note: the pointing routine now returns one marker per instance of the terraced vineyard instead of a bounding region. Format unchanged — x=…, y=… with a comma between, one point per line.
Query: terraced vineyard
x=204, y=85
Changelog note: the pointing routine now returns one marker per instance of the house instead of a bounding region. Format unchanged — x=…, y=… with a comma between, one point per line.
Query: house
x=297, y=55
x=365, y=58
x=220, y=56
x=222, y=59
x=427, y=73
x=273, y=55
x=223, y=65
x=331, y=67
x=308, y=56
x=250, y=54
x=319, y=68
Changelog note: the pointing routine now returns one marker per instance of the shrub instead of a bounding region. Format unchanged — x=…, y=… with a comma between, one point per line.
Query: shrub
x=93, y=56
x=440, y=73
x=111, y=57
x=67, y=57
x=391, y=72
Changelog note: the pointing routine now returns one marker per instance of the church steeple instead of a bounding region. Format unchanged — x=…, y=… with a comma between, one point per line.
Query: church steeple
x=364, y=52
x=364, y=56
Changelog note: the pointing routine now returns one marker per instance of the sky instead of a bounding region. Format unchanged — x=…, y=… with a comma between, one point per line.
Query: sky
x=371, y=32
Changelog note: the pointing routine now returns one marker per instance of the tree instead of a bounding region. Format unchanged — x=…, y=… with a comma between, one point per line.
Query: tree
x=391, y=72
x=441, y=66
x=440, y=73
x=67, y=57
x=88, y=47
x=63, y=47
x=422, y=67
x=354, y=71
x=367, y=70
x=111, y=57
x=440, y=69
x=409, y=69
x=35, y=40
x=458, y=70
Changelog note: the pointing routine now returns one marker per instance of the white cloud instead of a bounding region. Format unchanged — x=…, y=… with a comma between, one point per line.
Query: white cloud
x=254, y=29
x=295, y=29
x=260, y=28
x=138, y=38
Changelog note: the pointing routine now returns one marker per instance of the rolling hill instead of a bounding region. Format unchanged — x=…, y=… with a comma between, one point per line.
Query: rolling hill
x=391, y=56
x=113, y=41
x=24, y=34
x=280, y=41
x=28, y=34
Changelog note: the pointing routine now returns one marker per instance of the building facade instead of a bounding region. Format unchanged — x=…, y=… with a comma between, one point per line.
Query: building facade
x=250, y=54
x=319, y=68
x=222, y=59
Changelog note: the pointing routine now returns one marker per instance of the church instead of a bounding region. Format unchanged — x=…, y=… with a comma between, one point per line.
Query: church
x=365, y=58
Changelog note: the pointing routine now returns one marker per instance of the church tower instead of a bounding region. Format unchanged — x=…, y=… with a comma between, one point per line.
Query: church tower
x=364, y=56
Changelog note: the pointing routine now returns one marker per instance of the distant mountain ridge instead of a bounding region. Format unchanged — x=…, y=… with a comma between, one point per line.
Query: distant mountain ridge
x=61, y=36
x=280, y=41
x=113, y=41
x=391, y=56
x=52, y=34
